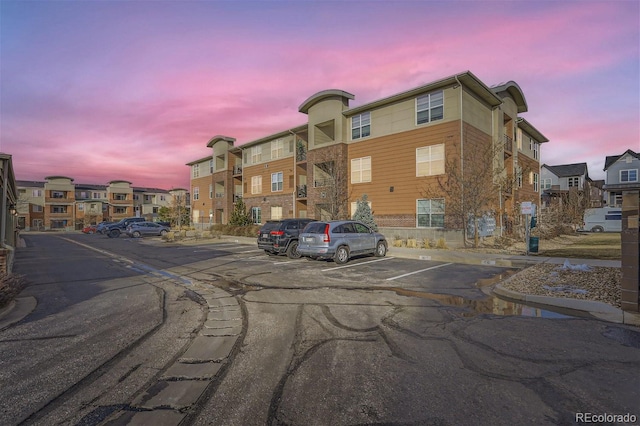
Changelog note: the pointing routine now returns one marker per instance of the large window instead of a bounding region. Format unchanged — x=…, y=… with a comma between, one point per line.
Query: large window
x=430, y=213
x=430, y=160
x=256, y=215
x=430, y=107
x=256, y=184
x=276, y=182
x=574, y=181
x=546, y=183
x=276, y=212
x=536, y=182
x=196, y=193
x=361, y=170
x=361, y=125
x=630, y=175
x=256, y=154
x=195, y=171
x=277, y=149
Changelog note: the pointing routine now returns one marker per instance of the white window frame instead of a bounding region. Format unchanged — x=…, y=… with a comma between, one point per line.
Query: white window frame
x=429, y=157
x=210, y=191
x=195, y=171
x=277, y=149
x=256, y=154
x=430, y=213
x=211, y=166
x=427, y=103
x=361, y=170
x=536, y=146
x=256, y=184
x=573, y=182
x=354, y=207
x=256, y=215
x=196, y=192
x=546, y=183
x=536, y=182
x=37, y=192
x=277, y=182
x=634, y=171
x=276, y=212
x=361, y=125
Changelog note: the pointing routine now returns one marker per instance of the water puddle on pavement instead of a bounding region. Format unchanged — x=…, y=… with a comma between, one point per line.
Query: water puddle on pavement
x=490, y=304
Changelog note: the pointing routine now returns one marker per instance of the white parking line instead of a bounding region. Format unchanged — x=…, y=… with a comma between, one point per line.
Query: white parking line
x=356, y=264
x=416, y=272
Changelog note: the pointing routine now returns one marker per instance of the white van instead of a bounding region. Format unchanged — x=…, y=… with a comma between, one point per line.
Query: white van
x=604, y=219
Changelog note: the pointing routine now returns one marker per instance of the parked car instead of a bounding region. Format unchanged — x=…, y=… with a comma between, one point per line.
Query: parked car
x=139, y=229
x=102, y=226
x=115, y=229
x=340, y=240
x=281, y=236
x=91, y=229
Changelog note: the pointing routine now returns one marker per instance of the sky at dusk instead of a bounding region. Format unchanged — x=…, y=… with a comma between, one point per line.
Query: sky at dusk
x=133, y=90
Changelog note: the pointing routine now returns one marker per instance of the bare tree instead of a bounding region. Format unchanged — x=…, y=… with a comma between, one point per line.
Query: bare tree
x=474, y=187
x=331, y=183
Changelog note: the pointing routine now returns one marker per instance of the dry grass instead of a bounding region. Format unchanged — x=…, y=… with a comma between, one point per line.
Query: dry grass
x=10, y=286
x=584, y=246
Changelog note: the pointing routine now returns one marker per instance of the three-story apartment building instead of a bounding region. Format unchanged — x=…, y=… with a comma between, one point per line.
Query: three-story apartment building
x=395, y=150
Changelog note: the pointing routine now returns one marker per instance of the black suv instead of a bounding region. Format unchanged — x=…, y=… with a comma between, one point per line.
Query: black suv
x=281, y=236
x=115, y=229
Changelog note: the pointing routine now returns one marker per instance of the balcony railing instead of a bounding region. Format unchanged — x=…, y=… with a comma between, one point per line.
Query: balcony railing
x=237, y=170
x=219, y=194
x=301, y=191
x=237, y=197
x=321, y=182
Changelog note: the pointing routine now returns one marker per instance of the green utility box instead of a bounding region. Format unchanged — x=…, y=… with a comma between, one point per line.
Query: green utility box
x=533, y=244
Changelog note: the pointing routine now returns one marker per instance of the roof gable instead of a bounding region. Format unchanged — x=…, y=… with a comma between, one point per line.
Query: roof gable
x=568, y=170
x=611, y=159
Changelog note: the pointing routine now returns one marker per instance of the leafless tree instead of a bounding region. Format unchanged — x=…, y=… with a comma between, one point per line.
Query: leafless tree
x=331, y=183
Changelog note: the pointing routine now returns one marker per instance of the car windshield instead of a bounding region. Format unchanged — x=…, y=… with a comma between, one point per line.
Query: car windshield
x=315, y=228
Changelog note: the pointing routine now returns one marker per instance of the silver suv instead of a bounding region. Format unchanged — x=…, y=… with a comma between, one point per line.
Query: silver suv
x=340, y=240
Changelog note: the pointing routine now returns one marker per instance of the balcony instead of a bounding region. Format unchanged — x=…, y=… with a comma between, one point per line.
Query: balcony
x=301, y=191
x=237, y=197
x=219, y=194
x=301, y=156
x=322, y=182
x=237, y=170
x=508, y=146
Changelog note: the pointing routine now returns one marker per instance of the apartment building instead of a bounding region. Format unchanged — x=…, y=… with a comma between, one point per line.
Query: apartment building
x=8, y=214
x=397, y=150
x=58, y=203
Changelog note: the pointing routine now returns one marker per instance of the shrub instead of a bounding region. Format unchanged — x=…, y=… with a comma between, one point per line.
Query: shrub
x=441, y=244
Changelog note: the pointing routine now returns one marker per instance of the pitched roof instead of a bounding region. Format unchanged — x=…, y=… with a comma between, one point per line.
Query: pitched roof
x=567, y=170
x=608, y=162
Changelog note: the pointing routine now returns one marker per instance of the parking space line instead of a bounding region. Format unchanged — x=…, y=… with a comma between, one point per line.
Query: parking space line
x=417, y=272
x=356, y=264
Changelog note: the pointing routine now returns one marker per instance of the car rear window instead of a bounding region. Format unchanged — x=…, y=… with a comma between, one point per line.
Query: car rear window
x=270, y=226
x=315, y=228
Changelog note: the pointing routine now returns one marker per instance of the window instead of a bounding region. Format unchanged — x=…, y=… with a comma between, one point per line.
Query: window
x=156, y=210
x=276, y=212
x=256, y=154
x=58, y=209
x=256, y=215
x=210, y=191
x=37, y=193
x=211, y=166
x=277, y=149
x=519, y=176
x=196, y=192
x=536, y=148
x=163, y=198
x=546, y=183
x=361, y=170
x=630, y=175
x=361, y=125
x=536, y=182
x=574, y=181
x=256, y=184
x=430, y=107
x=276, y=182
x=120, y=210
x=37, y=208
x=120, y=197
x=430, y=160
x=354, y=207
x=430, y=213
x=195, y=170
x=80, y=207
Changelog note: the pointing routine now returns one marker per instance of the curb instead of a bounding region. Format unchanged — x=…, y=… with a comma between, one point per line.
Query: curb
x=16, y=310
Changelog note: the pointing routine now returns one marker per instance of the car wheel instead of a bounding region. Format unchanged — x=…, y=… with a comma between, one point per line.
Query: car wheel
x=342, y=255
x=163, y=233
x=597, y=229
x=292, y=250
x=381, y=249
x=114, y=234
x=136, y=234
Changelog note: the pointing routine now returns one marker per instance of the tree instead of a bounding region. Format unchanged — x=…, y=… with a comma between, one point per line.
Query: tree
x=330, y=179
x=473, y=188
x=364, y=214
x=176, y=213
x=239, y=215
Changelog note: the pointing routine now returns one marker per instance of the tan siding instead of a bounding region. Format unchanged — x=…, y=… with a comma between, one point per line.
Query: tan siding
x=284, y=165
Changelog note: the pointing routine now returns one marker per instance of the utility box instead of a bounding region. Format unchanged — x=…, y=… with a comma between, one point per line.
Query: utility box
x=533, y=244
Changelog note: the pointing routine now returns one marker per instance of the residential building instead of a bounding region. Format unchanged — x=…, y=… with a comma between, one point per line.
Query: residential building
x=59, y=203
x=621, y=172
x=391, y=149
x=558, y=182
x=8, y=214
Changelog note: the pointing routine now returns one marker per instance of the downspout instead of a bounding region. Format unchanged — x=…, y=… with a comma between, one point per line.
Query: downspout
x=295, y=168
x=464, y=225
x=5, y=184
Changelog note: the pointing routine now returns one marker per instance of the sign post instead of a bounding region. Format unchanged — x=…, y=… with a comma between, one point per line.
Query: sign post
x=526, y=209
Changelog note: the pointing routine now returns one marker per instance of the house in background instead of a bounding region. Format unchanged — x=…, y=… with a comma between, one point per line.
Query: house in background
x=621, y=172
x=561, y=180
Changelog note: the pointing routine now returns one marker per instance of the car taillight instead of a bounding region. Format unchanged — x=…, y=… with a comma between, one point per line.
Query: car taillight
x=278, y=233
x=326, y=239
